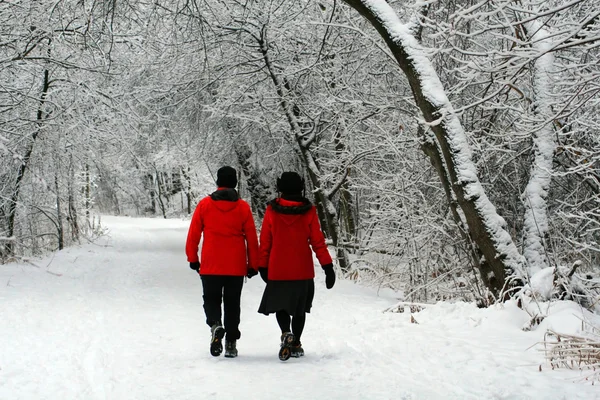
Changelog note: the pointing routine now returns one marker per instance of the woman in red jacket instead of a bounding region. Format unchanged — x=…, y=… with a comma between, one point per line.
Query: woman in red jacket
x=290, y=229
x=229, y=252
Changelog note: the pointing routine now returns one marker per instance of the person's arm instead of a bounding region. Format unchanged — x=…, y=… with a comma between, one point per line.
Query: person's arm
x=317, y=240
x=266, y=240
x=251, y=239
x=194, y=235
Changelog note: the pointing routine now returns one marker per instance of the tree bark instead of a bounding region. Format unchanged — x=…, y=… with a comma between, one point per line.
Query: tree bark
x=430, y=148
x=486, y=228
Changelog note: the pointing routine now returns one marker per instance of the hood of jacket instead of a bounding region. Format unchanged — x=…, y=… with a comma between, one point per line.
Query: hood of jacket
x=225, y=199
x=291, y=207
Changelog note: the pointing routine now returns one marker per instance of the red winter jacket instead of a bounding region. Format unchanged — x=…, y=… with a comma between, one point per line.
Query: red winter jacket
x=288, y=232
x=230, y=244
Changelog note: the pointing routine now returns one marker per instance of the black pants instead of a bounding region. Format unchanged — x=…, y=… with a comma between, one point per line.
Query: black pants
x=228, y=289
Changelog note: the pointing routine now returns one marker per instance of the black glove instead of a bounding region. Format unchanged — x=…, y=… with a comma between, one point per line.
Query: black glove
x=251, y=272
x=264, y=274
x=329, y=275
x=195, y=265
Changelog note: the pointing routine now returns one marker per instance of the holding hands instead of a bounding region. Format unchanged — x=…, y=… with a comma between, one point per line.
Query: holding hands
x=251, y=272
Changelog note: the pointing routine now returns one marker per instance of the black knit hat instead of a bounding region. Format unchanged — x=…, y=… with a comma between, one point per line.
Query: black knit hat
x=227, y=177
x=290, y=183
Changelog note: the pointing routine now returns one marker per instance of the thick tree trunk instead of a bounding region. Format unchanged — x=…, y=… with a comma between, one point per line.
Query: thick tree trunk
x=486, y=228
x=544, y=145
x=430, y=148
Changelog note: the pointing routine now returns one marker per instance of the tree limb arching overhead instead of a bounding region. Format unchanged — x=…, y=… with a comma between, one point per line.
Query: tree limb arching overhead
x=486, y=227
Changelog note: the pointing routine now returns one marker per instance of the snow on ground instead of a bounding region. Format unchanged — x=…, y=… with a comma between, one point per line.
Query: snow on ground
x=123, y=319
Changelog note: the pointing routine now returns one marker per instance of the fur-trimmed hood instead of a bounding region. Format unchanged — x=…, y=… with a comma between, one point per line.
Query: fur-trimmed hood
x=291, y=207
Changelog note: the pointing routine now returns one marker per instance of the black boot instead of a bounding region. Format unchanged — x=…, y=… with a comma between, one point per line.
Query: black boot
x=287, y=339
x=230, y=349
x=216, y=345
x=296, y=349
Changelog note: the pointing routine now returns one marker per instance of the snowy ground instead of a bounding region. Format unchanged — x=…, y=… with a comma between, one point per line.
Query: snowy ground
x=123, y=319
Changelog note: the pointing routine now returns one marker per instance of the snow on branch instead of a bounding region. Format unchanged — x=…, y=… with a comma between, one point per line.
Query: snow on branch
x=430, y=90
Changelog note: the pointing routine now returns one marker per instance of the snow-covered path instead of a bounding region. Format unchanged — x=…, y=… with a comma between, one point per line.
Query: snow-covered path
x=123, y=319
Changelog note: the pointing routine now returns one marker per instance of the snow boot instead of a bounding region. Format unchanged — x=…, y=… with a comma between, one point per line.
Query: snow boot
x=216, y=345
x=287, y=339
x=230, y=349
x=296, y=349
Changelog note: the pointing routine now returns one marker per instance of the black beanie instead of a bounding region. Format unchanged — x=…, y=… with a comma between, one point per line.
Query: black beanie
x=290, y=183
x=227, y=177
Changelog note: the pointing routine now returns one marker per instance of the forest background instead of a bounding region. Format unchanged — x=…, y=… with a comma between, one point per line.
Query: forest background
x=452, y=147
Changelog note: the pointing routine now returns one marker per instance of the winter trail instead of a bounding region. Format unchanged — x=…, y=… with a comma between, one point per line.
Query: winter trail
x=123, y=319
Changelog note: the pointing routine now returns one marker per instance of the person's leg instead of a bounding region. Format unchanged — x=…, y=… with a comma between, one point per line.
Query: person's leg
x=212, y=286
x=232, y=293
x=287, y=337
x=298, y=322
x=283, y=319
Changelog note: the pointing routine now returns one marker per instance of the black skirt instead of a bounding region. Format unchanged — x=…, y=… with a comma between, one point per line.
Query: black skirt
x=294, y=297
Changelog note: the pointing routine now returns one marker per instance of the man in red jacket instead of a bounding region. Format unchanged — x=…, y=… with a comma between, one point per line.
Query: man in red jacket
x=229, y=252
